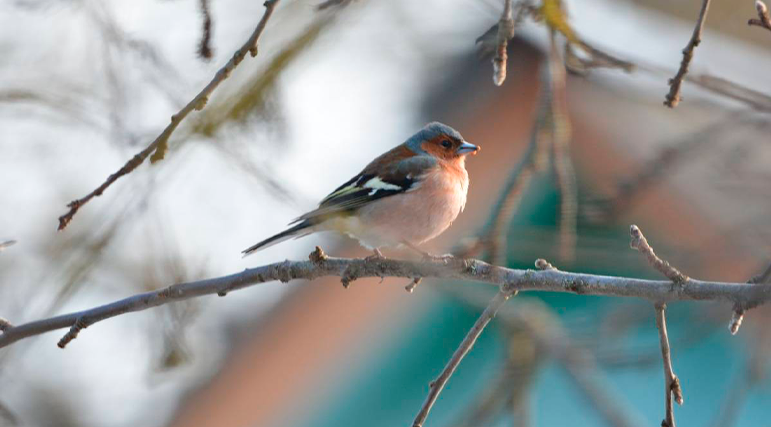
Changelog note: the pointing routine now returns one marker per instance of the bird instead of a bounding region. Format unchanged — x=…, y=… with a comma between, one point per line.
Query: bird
x=406, y=196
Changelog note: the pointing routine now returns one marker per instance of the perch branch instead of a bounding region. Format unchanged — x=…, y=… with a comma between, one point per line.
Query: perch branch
x=673, y=97
x=745, y=294
x=158, y=147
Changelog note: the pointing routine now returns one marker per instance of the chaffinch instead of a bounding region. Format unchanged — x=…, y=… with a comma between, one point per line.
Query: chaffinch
x=407, y=195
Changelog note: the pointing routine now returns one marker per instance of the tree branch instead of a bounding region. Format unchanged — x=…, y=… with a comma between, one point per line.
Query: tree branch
x=158, y=147
x=505, y=32
x=673, y=97
x=438, y=384
x=671, y=382
x=764, y=20
x=640, y=243
x=745, y=294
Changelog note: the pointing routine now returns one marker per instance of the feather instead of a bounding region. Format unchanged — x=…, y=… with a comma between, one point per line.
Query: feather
x=299, y=230
x=376, y=181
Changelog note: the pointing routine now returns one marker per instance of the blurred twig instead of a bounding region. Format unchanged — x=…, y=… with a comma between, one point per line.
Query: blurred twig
x=563, y=163
x=629, y=190
x=764, y=20
x=673, y=97
x=334, y=3
x=158, y=147
x=204, y=47
x=752, y=375
x=551, y=128
x=6, y=244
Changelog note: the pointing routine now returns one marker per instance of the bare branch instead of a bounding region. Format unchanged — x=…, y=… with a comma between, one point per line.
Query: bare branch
x=6, y=244
x=640, y=243
x=736, y=321
x=204, y=47
x=551, y=280
x=764, y=20
x=505, y=32
x=562, y=160
x=158, y=147
x=763, y=278
x=333, y=3
x=671, y=383
x=465, y=346
x=673, y=97
x=413, y=284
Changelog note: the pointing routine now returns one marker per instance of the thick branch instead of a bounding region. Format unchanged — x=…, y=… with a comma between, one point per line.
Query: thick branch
x=158, y=147
x=744, y=294
x=438, y=384
x=673, y=97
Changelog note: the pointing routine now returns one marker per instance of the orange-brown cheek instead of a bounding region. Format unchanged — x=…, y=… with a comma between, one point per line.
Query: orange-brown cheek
x=432, y=149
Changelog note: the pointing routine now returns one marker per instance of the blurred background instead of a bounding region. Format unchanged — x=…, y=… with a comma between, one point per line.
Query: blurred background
x=570, y=160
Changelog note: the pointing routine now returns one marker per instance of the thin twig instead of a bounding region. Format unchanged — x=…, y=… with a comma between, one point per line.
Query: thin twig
x=746, y=294
x=640, y=243
x=671, y=383
x=764, y=20
x=737, y=317
x=6, y=244
x=673, y=97
x=673, y=155
x=413, y=284
x=204, y=47
x=465, y=346
x=562, y=162
x=505, y=32
x=158, y=147
x=492, y=238
x=551, y=340
x=333, y=3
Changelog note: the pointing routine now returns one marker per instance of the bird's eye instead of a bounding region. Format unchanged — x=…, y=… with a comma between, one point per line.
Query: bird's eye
x=446, y=143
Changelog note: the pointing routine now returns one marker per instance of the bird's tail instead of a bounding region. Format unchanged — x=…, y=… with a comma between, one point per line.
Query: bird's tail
x=299, y=230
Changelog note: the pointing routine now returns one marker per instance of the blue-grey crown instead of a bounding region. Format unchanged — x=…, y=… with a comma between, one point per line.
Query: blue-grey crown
x=431, y=131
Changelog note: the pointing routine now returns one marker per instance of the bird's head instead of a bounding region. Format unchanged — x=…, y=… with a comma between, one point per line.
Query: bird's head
x=441, y=141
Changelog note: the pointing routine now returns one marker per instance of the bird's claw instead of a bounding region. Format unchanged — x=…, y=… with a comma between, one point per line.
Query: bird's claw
x=438, y=258
x=376, y=256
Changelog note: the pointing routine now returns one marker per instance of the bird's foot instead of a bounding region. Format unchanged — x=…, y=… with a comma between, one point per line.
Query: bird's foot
x=376, y=256
x=427, y=256
x=438, y=258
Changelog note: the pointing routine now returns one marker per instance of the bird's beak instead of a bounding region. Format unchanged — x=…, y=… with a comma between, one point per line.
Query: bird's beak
x=466, y=148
